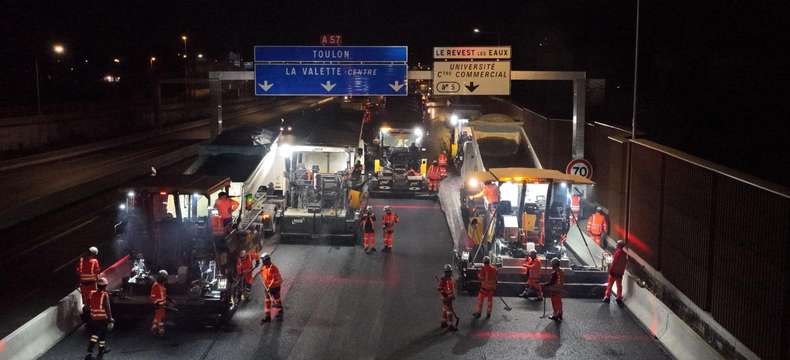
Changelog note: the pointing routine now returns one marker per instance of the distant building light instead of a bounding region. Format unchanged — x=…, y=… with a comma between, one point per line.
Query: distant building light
x=199, y=56
x=58, y=49
x=116, y=60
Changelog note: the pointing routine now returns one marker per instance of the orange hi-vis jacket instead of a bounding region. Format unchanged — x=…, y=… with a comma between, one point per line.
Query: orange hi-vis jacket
x=158, y=294
x=88, y=269
x=533, y=268
x=442, y=161
x=389, y=221
x=244, y=266
x=487, y=276
x=491, y=192
x=434, y=172
x=596, y=225
x=576, y=202
x=270, y=276
x=446, y=287
x=226, y=207
x=97, y=301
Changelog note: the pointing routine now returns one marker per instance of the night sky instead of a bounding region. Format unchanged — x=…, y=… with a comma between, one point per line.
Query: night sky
x=708, y=81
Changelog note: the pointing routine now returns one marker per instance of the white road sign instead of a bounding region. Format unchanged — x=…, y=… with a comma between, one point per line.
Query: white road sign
x=471, y=78
x=472, y=52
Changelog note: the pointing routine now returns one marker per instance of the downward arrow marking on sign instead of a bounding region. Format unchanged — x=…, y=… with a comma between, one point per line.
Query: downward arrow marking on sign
x=472, y=87
x=328, y=86
x=266, y=85
x=396, y=86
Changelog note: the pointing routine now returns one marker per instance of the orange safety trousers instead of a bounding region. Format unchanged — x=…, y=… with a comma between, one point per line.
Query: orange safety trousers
x=369, y=239
x=271, y=298
x=447, y=311
x=556, y=304
x=483, y=294
x=535, y=284
x=388, y=238
x=614, y=280
x=158, y=325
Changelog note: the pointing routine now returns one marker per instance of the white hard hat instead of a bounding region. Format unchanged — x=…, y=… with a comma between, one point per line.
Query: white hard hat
x=265, y=256
x=448, y=268
x=102, y=281
x=555, y=262
x=387, y=208
x=162, y=272
x=242, y=253
x=369, y=207
x=93, y=250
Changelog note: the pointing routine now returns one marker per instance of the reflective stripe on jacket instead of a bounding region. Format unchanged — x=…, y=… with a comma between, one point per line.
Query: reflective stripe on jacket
x=596, y=225
x=270, y=276
x=98, y=312
x=88, y=269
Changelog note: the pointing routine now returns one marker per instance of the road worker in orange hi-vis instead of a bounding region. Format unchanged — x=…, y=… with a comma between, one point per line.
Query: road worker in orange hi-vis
x=368, y=223
x=596, y=225
x=272, y=282
x=490, y=192
x=533, y=266
x=434, y=176
x=388, y=224
x=442, y=161
x=447, y=292
x=244, y=266
x=226, y=206
x=159, y=299
x=487, y=276
x=555, y=289
x=101, y=320
x=616, y=271
x=88, y=270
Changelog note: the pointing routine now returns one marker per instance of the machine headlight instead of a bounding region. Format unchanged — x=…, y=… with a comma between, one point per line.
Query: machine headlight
x=464, y=256
x=222, y=284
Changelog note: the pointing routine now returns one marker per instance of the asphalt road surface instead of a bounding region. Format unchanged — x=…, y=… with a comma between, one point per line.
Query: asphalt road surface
x=341, y=303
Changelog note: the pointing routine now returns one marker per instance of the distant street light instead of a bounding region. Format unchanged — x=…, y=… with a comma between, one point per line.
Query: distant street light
x=151, y=61
x=58, y=49
x=476, y=30
x=116, y=60
x=186, y=68
x=199, y=56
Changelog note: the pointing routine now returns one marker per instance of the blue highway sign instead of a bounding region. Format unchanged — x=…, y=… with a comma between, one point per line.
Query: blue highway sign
x=331, y=79
x=331, y=53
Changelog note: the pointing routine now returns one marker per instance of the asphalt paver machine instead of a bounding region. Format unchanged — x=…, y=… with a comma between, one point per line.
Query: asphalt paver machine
x=168, y=226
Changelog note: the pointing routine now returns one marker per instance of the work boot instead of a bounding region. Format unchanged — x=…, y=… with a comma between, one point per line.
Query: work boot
x=452, y=328
x=266, y=318
x=606, y=300
x=102, y=351
x=476, y=315
x=620, y=302
x=554, y=317
x=89, y=357
x=488, y=315
x=372, y=249
x=444, y=324
x=279, y=316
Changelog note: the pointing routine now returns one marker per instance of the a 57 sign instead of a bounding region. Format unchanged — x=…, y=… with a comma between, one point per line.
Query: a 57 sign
x=580, y=167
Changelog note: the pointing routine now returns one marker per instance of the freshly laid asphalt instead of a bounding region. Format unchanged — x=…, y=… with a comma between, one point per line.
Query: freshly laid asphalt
x=344, y=304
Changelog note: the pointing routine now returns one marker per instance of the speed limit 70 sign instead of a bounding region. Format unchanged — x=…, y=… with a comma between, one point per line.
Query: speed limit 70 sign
x=580, y=167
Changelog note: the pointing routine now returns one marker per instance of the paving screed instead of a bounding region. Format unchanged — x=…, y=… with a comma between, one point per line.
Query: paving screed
x=341, y=303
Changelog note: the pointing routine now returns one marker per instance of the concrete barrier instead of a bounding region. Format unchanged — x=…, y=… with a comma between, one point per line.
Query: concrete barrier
x=38, y=335
x=676, y=336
